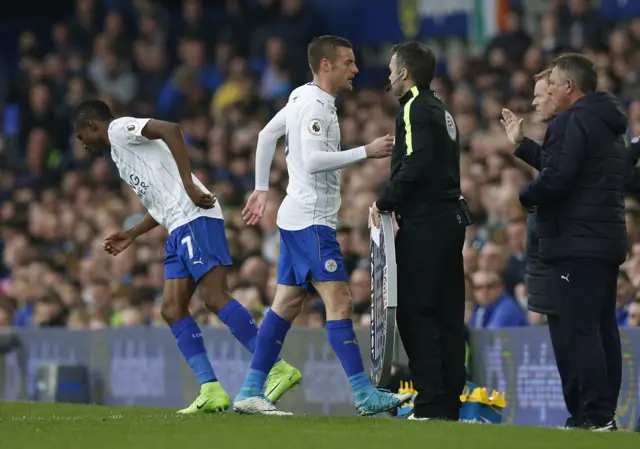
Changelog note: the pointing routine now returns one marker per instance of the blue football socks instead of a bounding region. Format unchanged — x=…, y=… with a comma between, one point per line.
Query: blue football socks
x=345, y=344
x=189, y=338
x=268, y=346
x=241, y=324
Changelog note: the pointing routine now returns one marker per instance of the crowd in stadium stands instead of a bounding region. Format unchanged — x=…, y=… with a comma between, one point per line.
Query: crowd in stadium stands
x=222, y=83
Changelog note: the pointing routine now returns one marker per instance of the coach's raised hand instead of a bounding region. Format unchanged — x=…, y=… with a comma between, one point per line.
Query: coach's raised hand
x=380, y=148
x=513, y=126
x=201, y=199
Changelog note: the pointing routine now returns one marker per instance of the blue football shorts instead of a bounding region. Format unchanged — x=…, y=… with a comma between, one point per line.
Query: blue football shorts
x=195, y=248
x=310, y=254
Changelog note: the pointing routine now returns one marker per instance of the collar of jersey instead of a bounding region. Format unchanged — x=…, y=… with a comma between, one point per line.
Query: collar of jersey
x=326, y=95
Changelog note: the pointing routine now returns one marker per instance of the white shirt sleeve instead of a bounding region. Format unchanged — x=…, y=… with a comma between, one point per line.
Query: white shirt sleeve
x=128, y=130
x=266, y=147
x=313, y=137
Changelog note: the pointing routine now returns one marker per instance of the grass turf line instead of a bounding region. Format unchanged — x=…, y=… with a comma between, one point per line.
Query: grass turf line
x=66, y=426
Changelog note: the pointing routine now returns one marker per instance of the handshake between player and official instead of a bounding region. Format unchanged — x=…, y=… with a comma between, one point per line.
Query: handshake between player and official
x=424, y=192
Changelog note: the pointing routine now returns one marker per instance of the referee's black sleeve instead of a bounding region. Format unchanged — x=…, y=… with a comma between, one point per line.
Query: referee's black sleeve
x=419, y=146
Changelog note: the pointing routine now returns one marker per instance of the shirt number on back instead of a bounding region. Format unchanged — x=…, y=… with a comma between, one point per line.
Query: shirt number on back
x=187, y=241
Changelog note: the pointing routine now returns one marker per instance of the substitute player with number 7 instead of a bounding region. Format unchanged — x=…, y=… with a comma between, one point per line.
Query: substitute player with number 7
x=152, y=159
x=309, y=251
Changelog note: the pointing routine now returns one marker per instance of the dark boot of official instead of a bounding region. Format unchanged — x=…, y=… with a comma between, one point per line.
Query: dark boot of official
x=611, y=426
x=570, y=423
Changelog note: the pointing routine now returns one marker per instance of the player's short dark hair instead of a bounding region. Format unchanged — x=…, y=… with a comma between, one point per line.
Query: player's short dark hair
x=324, y=47
x=544, y=75
x=418, y=59
x=92, y=110
x=580, y=69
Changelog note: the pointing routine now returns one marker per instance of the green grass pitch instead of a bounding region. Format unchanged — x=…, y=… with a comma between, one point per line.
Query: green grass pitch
x=65, y=426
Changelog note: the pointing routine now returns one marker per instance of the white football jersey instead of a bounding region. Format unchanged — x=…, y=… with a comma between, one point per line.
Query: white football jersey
x=312, y=199
x=148, y=167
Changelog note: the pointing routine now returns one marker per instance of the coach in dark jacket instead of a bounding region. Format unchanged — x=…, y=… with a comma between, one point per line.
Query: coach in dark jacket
x=537, y=277
x=582, y=232
x=579, y=194
x=538, y=272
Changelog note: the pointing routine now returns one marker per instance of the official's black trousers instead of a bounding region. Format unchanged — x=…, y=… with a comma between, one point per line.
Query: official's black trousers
x=586, y=339
x=430, y=312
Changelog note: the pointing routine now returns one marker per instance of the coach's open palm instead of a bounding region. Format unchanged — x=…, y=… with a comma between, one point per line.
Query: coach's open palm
x=380, y=148
x=117, y=242
x=513, y=126
x=254, y=210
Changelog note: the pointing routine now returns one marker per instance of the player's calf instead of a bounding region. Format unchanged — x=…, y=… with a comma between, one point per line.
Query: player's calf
x=344, y=342
x=233, y=314
x=281, y=377
x=173, y=310
x=188, y=336
x=269, y=343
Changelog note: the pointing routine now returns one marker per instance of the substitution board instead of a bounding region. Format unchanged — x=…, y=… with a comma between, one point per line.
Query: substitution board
x=384, y=300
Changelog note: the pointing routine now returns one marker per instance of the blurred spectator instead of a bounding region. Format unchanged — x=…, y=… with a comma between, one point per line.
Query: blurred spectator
x=625, y=298
x=49, y=310
x=494, y=308
x=514, y=41
x=221, y=70
x=6, y=312
x=249, y=295
x=634, y=314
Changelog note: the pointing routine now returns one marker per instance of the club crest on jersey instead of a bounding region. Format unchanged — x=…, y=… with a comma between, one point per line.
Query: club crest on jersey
x=315, y=127
x=330, y=265
x=131, y=127
x=451, y=126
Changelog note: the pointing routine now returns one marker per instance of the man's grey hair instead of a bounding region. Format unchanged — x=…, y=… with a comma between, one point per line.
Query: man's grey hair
x=580, y=69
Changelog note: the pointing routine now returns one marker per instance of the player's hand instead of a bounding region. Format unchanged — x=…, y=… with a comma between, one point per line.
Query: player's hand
x=117, y=242
x=513, y=126
x=374, y=216
x=254, y=210
x=380, y=148
x=200, y=198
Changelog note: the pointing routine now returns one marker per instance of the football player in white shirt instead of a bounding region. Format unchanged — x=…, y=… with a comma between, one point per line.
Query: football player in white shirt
x=309, y=251
x=151, y=156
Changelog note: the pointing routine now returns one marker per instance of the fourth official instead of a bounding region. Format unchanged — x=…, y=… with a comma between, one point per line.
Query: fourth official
x=424, y=193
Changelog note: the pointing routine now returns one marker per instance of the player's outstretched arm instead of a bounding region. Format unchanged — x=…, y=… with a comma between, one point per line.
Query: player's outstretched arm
x=319, y=156
x=119, y=241
x=266, y=147
x=317, y=159
x=172, y=135
x=265, y=150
